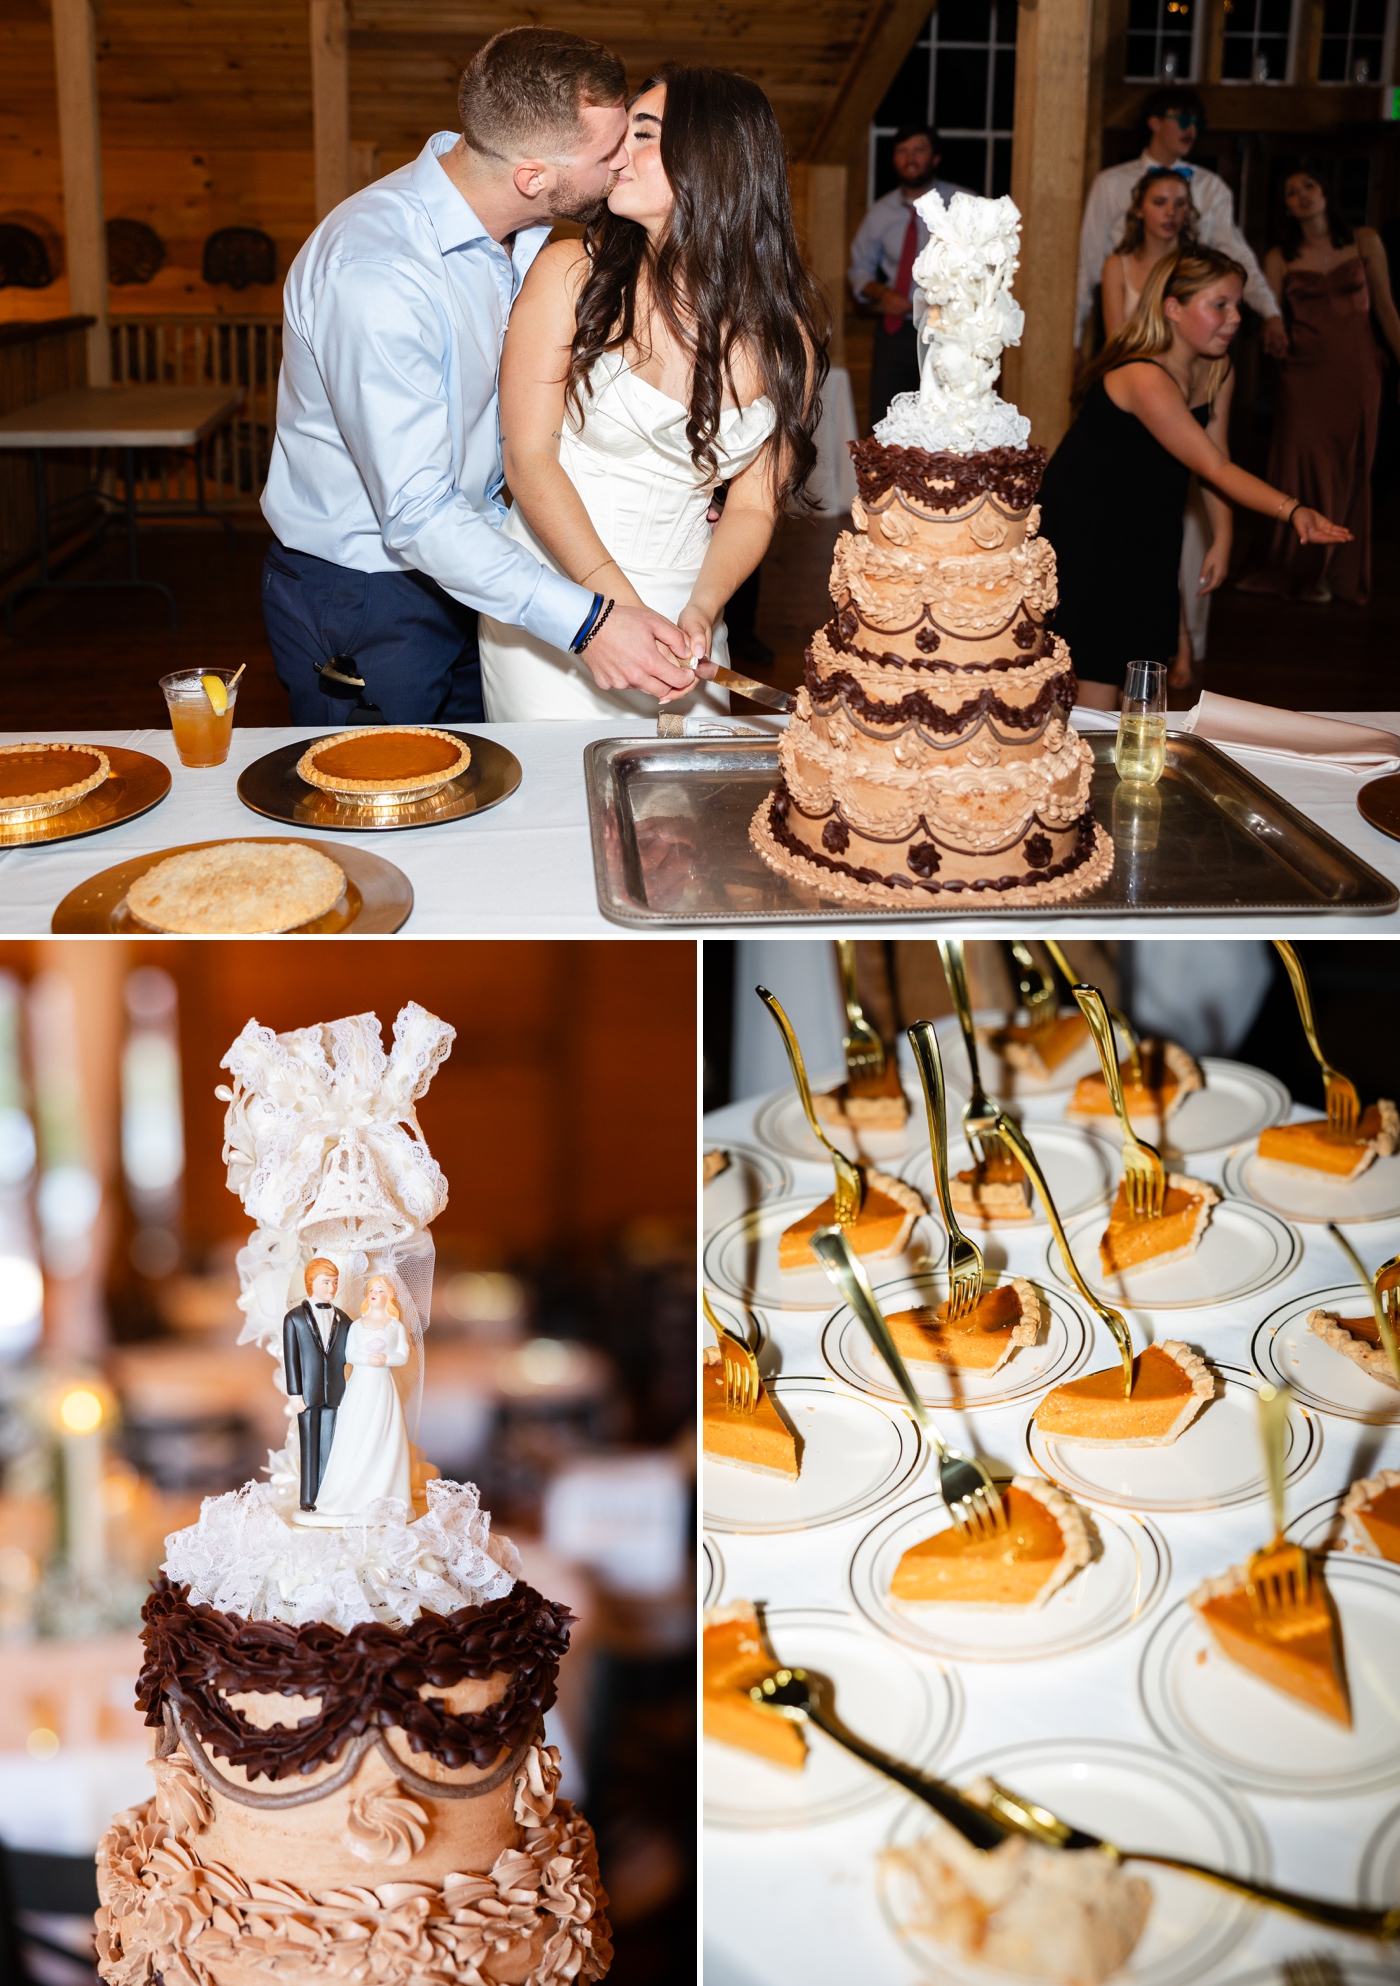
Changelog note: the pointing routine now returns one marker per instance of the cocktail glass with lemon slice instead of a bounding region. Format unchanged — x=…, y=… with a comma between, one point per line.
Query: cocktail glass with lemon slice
x=200, y=702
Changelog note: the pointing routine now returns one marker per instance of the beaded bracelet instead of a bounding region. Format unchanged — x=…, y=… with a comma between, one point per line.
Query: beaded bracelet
x=595, y=627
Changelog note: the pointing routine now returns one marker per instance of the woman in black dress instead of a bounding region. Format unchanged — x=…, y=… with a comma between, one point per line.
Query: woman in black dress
x=1153, y=407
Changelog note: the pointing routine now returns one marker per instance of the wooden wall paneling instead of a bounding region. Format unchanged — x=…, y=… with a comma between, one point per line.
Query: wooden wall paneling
x=1053, y=57
x=330, y=103
x=819, y=215
x=80, y=140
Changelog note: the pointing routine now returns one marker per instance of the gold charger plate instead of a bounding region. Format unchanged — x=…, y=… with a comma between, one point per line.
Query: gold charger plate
x=273, y=787
x=377, y=897
x=1379, y=803
x=135, y=784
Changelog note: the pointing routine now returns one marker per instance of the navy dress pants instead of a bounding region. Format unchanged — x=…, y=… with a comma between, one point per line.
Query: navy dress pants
x=413, y=645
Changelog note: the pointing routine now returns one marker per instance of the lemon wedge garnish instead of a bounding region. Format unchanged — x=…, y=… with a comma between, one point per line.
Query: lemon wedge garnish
x=217, y=694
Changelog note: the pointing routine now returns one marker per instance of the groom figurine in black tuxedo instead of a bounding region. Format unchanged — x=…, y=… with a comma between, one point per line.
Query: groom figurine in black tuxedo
x=314, y=1337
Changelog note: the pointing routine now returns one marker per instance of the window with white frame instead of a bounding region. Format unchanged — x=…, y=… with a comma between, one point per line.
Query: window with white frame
x=1257, y=46
x=960, y=77
x=1162, y=41
x=1353, y=42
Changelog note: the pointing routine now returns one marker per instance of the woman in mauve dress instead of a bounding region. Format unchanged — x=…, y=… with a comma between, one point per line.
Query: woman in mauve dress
x=1329, y=279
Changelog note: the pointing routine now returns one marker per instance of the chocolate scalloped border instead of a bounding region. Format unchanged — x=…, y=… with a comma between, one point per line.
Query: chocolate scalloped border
x=918, y=707
x=948, y=482
x=366, y=1678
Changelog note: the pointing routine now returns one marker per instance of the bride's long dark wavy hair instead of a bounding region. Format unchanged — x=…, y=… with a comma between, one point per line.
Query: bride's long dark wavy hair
x=726, y=276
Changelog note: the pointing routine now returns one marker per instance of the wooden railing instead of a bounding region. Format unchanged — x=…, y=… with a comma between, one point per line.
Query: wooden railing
x=36, y=360
x=207, y=351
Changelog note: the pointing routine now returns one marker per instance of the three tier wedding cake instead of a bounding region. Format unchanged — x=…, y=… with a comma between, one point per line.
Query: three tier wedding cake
x=346, y=1696
x=930, y=758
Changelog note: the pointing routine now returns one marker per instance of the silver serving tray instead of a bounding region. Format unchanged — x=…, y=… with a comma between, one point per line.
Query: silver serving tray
x=670, y=825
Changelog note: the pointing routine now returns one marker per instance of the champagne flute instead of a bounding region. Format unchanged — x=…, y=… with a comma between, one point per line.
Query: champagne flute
x=1140, y=753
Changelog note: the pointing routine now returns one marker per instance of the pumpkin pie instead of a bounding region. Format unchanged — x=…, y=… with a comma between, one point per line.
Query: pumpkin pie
x=1045, y=1542
x=38, y=780
x=1372, y=1508
x=888, y=1211
x=237, y=886
x=761, y=1440
x=1312, y=1147
x=1169, y=1075
x=1357, y=1338
x=384, y=762
x=1150, y=1241
x=1005, y=1317
x=1170, y=1386
x=713, y=1164
x=1038, y=1051
x=1302, y=1657
x=733, y=1659
x=883, y=1108
x=992, y=1190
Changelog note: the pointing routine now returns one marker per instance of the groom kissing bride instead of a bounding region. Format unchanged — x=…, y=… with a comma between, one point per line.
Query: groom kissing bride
x=679, y=346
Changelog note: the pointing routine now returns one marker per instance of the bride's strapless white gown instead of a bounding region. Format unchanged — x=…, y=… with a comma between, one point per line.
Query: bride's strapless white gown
x=630, y=462
x=369, y=1453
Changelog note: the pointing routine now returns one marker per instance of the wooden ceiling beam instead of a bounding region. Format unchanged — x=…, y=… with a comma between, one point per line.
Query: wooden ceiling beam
x=890, y=31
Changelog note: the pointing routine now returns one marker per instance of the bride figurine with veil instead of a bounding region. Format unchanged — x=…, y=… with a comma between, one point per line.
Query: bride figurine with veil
x=369, y=1451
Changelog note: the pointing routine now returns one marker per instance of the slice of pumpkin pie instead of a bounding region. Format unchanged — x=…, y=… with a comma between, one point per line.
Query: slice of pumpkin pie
x=1038, y=1051
x=733, y=1659
x=1005, y=1317
x=1171, y=1384
x=992, y=1191
x=1046, y=1541
x=1301, y=1656
x=1357, y=1338
x=888, y=1211
x=761, y=1440
x=1371, y=1508
x=883, y=1108
x=1169, y=1076
x=1151, y=1241
x=1312, y=1147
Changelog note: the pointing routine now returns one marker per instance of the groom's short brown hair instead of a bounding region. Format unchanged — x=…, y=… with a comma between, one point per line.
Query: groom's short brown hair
x=522, y=93
x=320, y=1267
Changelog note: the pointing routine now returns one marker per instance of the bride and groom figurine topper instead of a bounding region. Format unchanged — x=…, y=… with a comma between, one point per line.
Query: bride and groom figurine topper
x=353, y=1443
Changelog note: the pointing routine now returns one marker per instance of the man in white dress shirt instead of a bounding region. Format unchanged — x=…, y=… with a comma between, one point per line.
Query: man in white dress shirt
x=384, y=489
x=1174, y=116
x=887, y=243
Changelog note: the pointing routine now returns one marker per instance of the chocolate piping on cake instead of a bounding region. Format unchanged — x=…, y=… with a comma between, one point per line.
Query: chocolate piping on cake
x=367, y=1678
x=917, y=707
x=948, y=482
x=782, y=834
x=931, y=631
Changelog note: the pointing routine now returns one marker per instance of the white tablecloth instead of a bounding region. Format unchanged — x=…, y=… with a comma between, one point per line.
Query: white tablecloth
x=526, y=867
x=799, y=1908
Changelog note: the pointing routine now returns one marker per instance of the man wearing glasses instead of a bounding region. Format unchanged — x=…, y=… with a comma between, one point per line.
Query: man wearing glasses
x=1174, y=116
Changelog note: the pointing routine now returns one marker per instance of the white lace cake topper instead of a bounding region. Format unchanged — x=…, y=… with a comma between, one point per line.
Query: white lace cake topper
x=964, y=276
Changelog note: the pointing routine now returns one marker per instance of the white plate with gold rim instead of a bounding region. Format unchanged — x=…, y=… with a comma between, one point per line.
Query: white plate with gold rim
x=1313, y=1196
x=1080, y=1170
x=711, y=1573
x=742, y=1259
x=750, y=1177
x=1064, y=1348
x=1237, y=1102
x=1123, y=1582
x=1243, y=1250
x=1130, y=1794
x=1286, y=1353
x=780, y=1124
x=1218, y=1714
x=1379, y=1876
x=911, y=1710
x=1214, y=1463
x=855, y=1454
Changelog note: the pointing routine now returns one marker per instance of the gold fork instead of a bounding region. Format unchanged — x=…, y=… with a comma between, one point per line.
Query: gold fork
x=1121, y=1335
x=1120, y=1020
x=864, y=1050
x=1282, y=1598
x=740, y=1366
x=1343, y=1104
x=1385, y=1311
x=849, y=1186
x=1313, y=1969
x=973, y=1500
x=1144, y=1176
x=964, y=1256
x=979, y=1113
x=1037, y=987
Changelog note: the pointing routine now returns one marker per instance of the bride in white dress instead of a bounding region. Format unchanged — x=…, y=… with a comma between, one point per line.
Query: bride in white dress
x=678, y=347
x=369, y=1452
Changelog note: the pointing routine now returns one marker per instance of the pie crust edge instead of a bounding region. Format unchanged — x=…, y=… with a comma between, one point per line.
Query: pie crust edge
x=1328, y=1325
x=71, y=793
x=1364, y=1491
x=402, y=783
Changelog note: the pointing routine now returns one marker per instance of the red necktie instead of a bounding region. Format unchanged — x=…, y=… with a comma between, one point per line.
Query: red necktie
x=904, y=276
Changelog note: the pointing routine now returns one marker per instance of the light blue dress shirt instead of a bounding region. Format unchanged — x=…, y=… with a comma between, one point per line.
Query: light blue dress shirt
x=388, y=448
x=879, y=241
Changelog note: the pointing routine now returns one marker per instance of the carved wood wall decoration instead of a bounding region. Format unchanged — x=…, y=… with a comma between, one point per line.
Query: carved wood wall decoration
x=134, y=252
x=31, y=253
x=240, y=257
